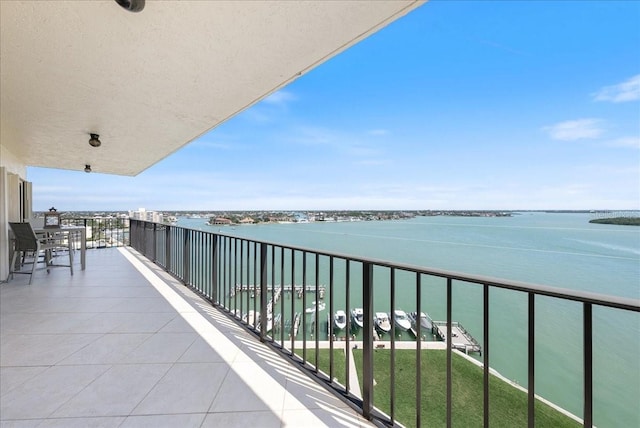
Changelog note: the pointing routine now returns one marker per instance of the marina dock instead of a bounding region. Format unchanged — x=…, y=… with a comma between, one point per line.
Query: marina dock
x=460, y=338
x=288, y=288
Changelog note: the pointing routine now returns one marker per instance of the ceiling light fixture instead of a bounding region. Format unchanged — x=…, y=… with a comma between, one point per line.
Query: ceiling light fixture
x=131, y=5
x=87, y=168
x=94, y=141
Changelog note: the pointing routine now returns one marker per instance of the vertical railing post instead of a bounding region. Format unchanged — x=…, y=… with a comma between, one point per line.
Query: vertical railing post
x=282, y=297
x=167, y=243
x=293, y=300
x=418, y=354
x=392, y=362
x=367, y=339
x=317, y=313
x=155, y=242
x=131, y=231
x=143, y=237
x=304, y=305
x=214, y=270
x=486, y=355
x=331, y=312
x=588, y=365
x=347, y=291
x=263, y=292
x=531, y=387
x=186, y=256
x=449, y=352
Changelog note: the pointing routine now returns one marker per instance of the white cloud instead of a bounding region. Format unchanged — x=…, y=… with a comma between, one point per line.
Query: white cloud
x=378, y=132
x=631, y=142
x=309, y=135
x=280, y=98
x=575, y=129
x=628, y=90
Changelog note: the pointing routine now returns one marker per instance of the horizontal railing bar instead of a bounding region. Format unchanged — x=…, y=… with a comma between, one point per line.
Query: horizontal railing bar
x=543, y=290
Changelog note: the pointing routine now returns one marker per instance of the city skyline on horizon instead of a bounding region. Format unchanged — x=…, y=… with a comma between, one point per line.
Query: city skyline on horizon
x=507, y=106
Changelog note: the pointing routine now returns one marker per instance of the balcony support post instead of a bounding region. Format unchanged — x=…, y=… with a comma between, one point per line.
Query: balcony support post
x=367, y=339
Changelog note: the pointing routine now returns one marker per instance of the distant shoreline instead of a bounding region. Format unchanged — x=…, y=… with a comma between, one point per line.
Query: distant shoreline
x=623, y=221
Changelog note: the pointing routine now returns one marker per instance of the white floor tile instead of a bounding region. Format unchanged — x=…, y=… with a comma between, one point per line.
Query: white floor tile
x=117, y=392
x=43, y=394
x=167, y=421
x=185, y=388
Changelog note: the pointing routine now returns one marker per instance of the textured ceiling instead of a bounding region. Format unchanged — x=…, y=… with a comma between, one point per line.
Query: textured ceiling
x=153, y=81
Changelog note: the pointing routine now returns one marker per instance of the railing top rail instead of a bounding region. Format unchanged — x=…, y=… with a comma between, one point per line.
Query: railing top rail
x=557, y=292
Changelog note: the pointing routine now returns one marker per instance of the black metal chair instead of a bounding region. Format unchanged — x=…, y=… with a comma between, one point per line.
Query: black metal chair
x=26, y=243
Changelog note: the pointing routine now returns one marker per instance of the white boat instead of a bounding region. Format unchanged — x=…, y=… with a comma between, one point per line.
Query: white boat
x=401, y=320
x=425, y=321
x=340, y=319
x=296, y=323
x=382, y=322
x=251, y=317
x=315, y=306
x=357, y=316
x=269, y=322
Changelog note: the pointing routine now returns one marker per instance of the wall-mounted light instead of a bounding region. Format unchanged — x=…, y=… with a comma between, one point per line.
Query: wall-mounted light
x=94, y=141
x=131, y=5
x=87, y=168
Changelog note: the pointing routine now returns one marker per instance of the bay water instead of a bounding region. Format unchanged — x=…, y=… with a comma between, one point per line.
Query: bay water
x=554, y=249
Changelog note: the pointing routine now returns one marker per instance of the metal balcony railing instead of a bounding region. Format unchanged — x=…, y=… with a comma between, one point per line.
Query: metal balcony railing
x=249, y=278
x=102, y=232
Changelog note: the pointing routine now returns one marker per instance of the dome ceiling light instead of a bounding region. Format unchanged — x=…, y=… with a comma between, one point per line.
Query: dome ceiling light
x=131, y=5
x=94, y=141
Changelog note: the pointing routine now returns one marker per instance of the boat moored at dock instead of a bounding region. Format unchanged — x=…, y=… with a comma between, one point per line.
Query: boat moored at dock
x=401, y=320
x=382, y=322
x=357, y=316
x=426, y=324
x=316, y=307
x=340, y=319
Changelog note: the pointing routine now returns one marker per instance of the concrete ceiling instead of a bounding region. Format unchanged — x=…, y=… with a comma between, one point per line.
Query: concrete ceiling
x=153, y=81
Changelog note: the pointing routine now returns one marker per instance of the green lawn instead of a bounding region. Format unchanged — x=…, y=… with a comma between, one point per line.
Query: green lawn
x=507, y=406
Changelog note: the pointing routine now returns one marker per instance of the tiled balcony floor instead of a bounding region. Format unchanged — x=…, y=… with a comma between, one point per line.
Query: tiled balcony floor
x=124, y=345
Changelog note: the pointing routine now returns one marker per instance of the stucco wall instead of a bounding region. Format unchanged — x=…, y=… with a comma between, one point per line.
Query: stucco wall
x=11, y=171
x=11, y=162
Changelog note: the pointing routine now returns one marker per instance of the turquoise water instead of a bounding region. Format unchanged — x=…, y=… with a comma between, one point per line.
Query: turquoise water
x=560, y=250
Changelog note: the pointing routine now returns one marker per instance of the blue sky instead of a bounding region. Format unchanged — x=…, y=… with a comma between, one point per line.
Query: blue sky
x=458, y=105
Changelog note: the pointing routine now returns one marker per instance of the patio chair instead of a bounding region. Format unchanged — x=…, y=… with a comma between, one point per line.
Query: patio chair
x=28, y=243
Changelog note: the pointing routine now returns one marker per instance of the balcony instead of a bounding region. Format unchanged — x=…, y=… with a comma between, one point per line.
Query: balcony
x=132, y=345
x=124, y=344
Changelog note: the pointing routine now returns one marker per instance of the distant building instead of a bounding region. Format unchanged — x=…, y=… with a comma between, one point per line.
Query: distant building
x=220, y=220
x=143, y=214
